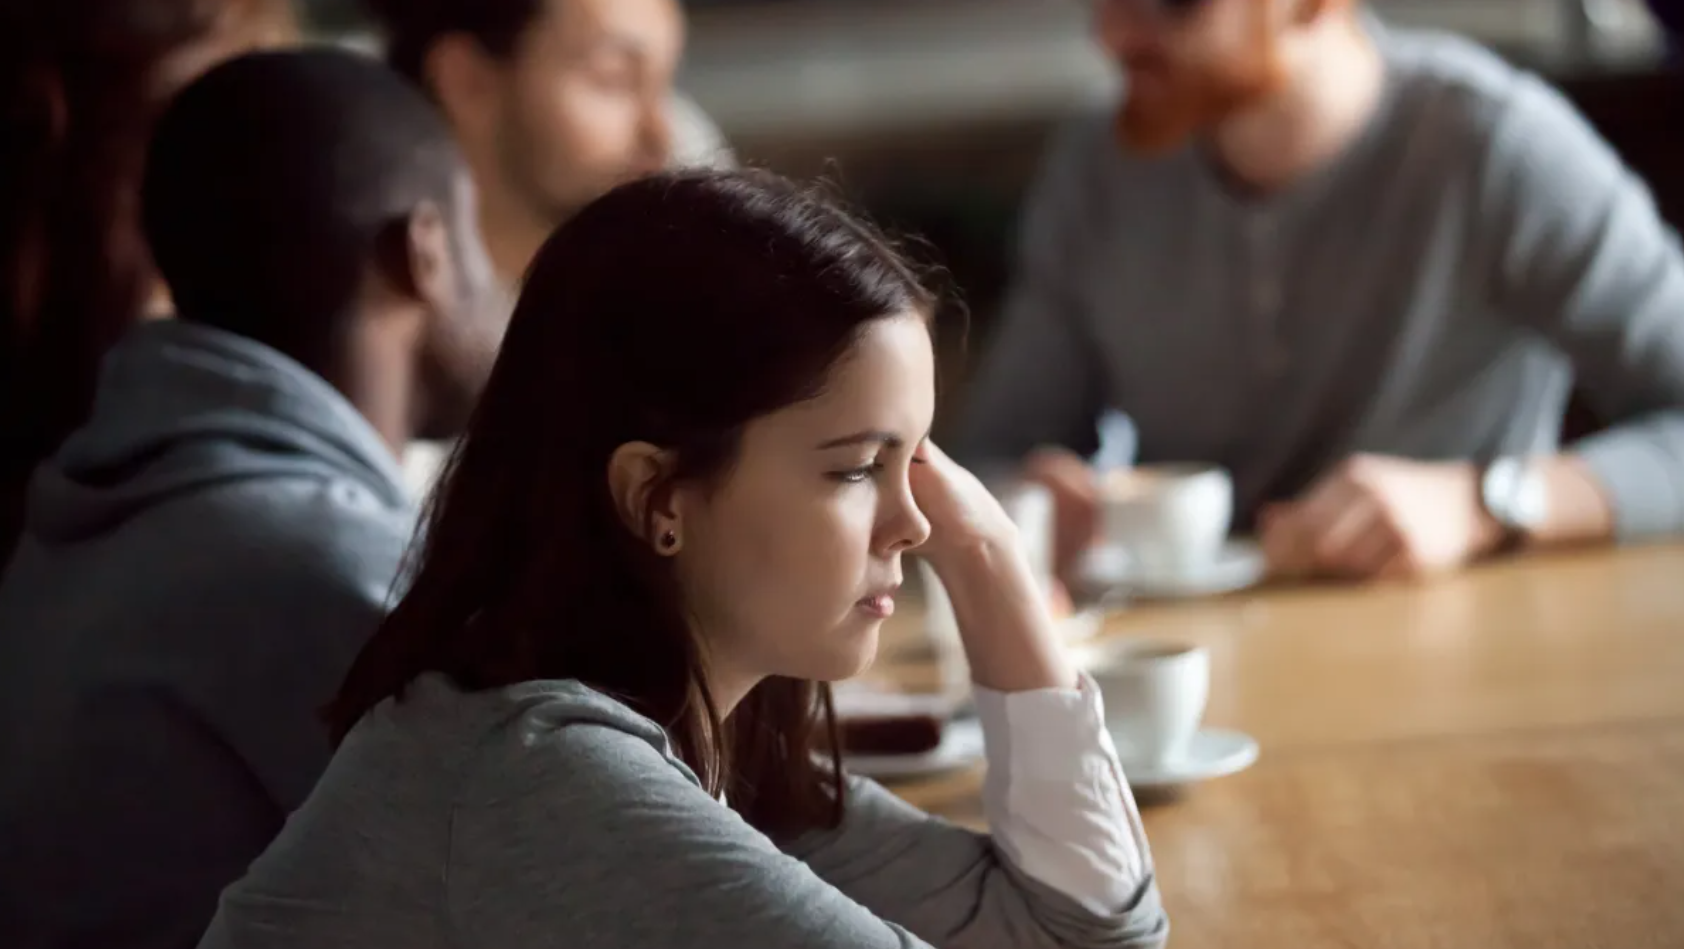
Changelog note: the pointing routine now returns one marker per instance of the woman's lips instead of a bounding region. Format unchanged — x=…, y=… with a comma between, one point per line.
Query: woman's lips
x=881, y=605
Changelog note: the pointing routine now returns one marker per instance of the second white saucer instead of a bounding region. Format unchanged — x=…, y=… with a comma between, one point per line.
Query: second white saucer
x=1213, y=753
x=1240, y=564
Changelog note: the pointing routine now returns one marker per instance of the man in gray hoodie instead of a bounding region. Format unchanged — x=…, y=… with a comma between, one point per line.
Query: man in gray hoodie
x=205, y=556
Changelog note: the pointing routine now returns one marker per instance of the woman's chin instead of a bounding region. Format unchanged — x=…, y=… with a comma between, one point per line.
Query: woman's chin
x=854, y=650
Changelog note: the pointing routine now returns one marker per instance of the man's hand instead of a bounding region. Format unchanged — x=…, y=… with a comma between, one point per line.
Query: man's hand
x=1375, y=517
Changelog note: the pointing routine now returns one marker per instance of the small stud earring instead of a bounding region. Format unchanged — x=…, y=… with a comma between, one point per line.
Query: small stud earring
x=669, y=540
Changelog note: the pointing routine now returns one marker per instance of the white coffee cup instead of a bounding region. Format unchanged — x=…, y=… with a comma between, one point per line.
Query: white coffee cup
x=1154, y=692
x=1030, y=507
x=1171, y=520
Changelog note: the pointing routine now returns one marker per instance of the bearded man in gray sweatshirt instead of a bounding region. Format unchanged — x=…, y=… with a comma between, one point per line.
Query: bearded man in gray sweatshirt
x=1361, y=268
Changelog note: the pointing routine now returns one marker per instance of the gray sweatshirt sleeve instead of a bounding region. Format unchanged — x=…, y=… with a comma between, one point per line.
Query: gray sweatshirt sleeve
x=1040, y=381
x=1582, y=255
x=599, y=839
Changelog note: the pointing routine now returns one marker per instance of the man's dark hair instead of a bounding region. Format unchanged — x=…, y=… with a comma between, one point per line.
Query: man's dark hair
x=275, y=179
x=413, y=26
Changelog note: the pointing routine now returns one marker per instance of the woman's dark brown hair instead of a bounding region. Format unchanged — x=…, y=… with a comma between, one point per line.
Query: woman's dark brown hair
x=674, y=311
x=80, y=84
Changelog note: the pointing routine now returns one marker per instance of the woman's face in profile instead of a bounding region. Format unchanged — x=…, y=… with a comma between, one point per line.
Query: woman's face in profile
x=790, y=564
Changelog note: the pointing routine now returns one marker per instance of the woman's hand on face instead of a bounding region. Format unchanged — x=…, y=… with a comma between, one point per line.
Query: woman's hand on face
x=1009, y=636
x=964, y=517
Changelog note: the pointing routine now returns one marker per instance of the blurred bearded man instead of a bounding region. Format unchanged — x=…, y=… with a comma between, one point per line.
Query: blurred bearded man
x=1184, y=80
x=553, y=102
x=1361, y=269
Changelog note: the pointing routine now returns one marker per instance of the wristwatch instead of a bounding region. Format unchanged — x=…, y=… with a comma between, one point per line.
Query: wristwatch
x=1513, y=492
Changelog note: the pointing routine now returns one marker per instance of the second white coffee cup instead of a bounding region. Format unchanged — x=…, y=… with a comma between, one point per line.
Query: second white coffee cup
x=1154, y=692
x=1171, y=519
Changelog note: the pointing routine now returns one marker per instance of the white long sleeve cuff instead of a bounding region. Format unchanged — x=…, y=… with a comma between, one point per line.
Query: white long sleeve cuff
x=1056, y=798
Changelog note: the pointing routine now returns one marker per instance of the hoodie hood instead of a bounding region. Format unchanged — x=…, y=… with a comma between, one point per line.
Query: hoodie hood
x=183, y=407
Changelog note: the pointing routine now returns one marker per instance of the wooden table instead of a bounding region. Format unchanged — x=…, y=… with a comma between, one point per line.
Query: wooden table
x=1492, y=760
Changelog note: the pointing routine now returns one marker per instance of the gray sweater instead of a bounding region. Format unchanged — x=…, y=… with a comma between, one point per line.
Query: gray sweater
x=1433, y=294
x=201, y=562
x=549, y=815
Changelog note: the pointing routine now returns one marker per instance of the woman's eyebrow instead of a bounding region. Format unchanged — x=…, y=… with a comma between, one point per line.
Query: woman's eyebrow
x=866, y=437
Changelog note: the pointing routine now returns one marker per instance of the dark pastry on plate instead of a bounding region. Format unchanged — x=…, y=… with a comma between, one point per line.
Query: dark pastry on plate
x=890, y=734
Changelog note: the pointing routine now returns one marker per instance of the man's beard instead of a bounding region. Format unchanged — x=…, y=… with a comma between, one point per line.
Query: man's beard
x=528, y=184
x=457, y=355
x=1187, y=101
x=546, y=209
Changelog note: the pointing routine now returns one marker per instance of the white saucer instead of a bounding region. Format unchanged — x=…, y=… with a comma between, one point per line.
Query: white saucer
x=1213, y=753
x=1240, y=564
x=961, y=747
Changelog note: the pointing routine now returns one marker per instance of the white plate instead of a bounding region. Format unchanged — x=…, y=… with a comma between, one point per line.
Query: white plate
x=1239, y=565
x=1213, y=753
x=858, y=698
x=961, y=747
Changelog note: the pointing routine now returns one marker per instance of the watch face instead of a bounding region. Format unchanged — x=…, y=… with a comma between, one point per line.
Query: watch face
x=1531, y=499
x=1515, y=494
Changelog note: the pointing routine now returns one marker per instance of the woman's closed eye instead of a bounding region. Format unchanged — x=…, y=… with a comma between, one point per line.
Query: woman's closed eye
x=864, y=472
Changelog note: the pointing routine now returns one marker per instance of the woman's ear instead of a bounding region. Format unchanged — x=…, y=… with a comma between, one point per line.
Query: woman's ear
x=636, y=476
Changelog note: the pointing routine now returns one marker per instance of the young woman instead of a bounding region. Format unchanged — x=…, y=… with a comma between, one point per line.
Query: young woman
x=598, y=717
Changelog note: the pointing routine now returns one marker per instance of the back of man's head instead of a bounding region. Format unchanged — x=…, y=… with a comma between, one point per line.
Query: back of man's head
x=272, y=181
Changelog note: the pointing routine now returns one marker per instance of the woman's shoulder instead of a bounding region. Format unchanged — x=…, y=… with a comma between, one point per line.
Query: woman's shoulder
x=538, y=737
x=574, y=786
